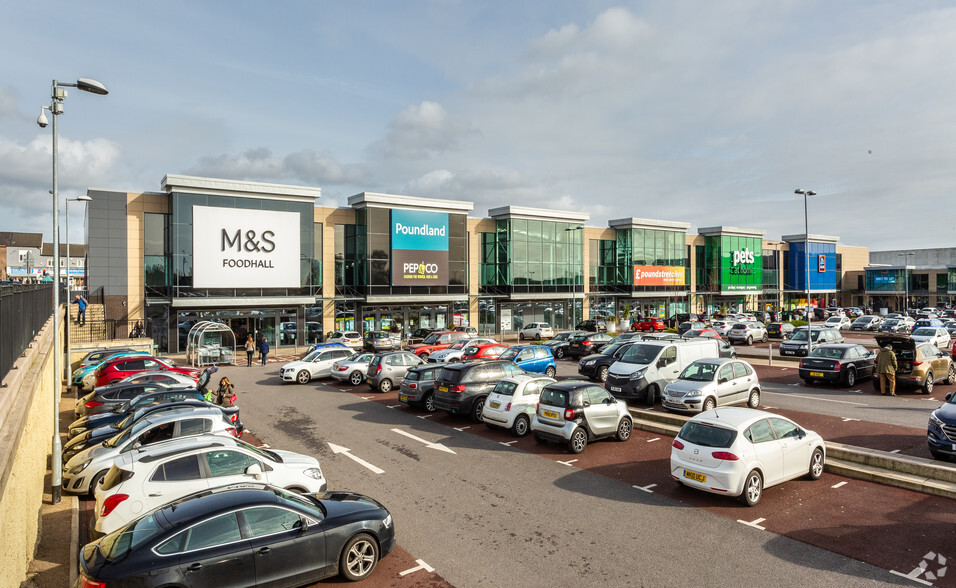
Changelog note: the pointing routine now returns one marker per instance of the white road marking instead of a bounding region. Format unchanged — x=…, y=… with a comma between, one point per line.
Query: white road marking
x=848, y=419
x=826, y=399
x=266, y=445
x=366, y=397
x=393, y=405
x=755, y=524
x=654, y=439
x=345, y=451
x=910, y=576
x=793, y=384
x=857, y=391
x=424, y=416
x=568, y=463
x=421, y=566
x=895, y=451
x=427, y=443
x=462, y=428
x=646, y=488
x=508, y=443
x=839, y=485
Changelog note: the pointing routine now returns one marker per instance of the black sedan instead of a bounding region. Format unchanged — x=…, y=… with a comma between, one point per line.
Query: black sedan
x=253, y=534
x=580, y=345
x=83, y=424
x=844, y=363
x=595, y=366
x=780, y=330
x=558, y=345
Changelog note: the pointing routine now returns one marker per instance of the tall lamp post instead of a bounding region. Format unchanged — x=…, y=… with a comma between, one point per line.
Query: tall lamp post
x=69, y=343
x=58, y=95
x=906, y=281
x=574, y=293
x=806, y=249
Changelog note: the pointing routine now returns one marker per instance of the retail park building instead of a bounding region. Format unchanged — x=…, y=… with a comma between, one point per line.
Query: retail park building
x=268, y=258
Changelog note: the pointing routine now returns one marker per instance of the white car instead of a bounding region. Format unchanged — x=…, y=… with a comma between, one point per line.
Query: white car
x=536, y=331
x=84, y=470
x=722, y=327
x=709, y=383
x=512, y=403
x=740, y=451
x=840, y=322
x=140, y=481
x=352, y=369
x=317, y=364
x=938, y=336
x=453, y=354
x=351, y=339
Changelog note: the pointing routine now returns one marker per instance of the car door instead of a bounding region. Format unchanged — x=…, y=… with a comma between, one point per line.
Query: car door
x=214, y=553
x=668, y=366
x=600, y=410
x=171, y=480
x=727, y=385
x=767, y=451
x=525, y=360
x=321, y=364
x=940, y=364
x=289, y=548
x=744, y=378
x=230, y=466
x=794, y=447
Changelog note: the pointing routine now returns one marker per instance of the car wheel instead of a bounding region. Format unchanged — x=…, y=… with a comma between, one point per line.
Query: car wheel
x=559, y=353
x=750, y=340
x=754, y=400
x=709, y=404
x=651, y=329
x=624, y=429
x=753, y=489
x=816, y=464
x=423, y=357
x=808, y=381
x=578, y=441
x=359, y=557
x=385, y=386
x=477, y=409
x=520, y=336
x=429, y=402
x=303, y=377
x=538, y=439
x=602, y=374
x=928, y=384
x=850, y=377
x=951, y=378
x=765, y=338
x=520, y=426
x=95, y=481
x=550, y=371
x=356, y=377
x=650, y=396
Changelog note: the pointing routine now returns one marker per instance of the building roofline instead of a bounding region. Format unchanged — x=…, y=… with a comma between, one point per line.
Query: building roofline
x=378, y=200
x=545, y=214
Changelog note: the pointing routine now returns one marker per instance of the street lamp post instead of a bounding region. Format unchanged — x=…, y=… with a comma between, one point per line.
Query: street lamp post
x=58, y=95
x=69, y=343
x=906, y=281
x=574, y=293
x=806, y=249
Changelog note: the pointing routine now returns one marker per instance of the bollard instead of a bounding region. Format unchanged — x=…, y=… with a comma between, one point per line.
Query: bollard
x=770, y=354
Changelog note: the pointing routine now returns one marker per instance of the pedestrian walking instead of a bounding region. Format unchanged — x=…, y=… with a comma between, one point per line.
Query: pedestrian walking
x=81, y=305
x=250, y=349
x=264, y=349
x=226, y=394
x=886, y=368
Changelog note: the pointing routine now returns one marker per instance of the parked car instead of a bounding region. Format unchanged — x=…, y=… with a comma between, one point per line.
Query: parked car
x=483, y=351
x=650, y=324
x=376, y=341
x=839, y=322
x=559, y=343
x=93, y=421
x=627, y=336
x=591, y=326
x=897, y=325
x=106, y=398
x=332, y=345
x=581, y=345
x=927, y=322
x=536, y=331
x=205, y=537
x=708, y=383
x=797, y=343
x=435, y=341
x=938, y=336
x=512, y=403
x=99, y=355
x=388, y=369
x=418, y=335
x=315, y=365
x=352, y=369
x=84, y=377
x=461, y=388
x=140, y=481
x=576, y=413
x=748, y=332
x=691, y=325
x=838, y=363
x=595, y=366
x=739, y=452
x=706, y=333
x=534, y=359
x=351, y=339
x=722, y=326
x=418, y=386
x=117, y=369
x=780, y=330
x=457, y=349
x=866, y=323
x=471, y=331
x=941, y=431
x=725, y=349
x=917, y=364
x=648, y=366
x=950, y=327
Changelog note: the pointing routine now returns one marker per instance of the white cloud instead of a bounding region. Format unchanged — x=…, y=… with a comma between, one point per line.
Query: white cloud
x=421, y=131
x=259, y=164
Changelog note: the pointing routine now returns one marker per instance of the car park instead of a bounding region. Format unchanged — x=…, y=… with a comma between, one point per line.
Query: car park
x=938, y=336
x=93, y=421
x=140, y=481
x=780, y=330
x=536, y=332
x=740, y=452
x=920, y=365
x=387, y=369
x=927, y=322
x=454, y=353
x=352, y=369
x=84, y=377
x=315, y=365
x=576, y=413
x=866, y=323
x=796, y=345
x=512, y=403
x=897, y=325
x=435, y=341
x=838, y=363
x=839, y=322
x=483, y=351
x=748, y=332
x=461, y=388
x=941, y=431
x=376, y=341
x=351, y=339
x=648, y=366
x=691, y=325
x=595, y=366
x=116, y=369
x=203, y=538
x=534, y=359
x=99, y=355
x=580, y=345
x=648, y=324
x=559, y=344
x=418, y=386
x=708, y=383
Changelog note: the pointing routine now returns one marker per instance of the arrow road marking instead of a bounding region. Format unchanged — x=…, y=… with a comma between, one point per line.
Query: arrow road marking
x=393, y=405
x=848, y=419
x=895, y=451
x=508, y=443
x=421, y=566
x=646, y=488
x=462, y=428
x=427, y=443
x=345, y=451
x=568, y=463
x=755, y=524
x=839, y=485
x=424, y=416
x=366, y=397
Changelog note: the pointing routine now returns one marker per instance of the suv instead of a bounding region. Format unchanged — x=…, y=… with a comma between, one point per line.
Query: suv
x=586, y=344
x=462, y=388
x=559, y=343
x=748, y=332
x=941, y=432
x=435, y=341
x=317, y=364
x=388, y=369
x=536, y=331
x=797, y=343
x=418, y=386
x=118, y=369
x=379, y=341
x=917, y=364
x=576, y=413
x=591, y=326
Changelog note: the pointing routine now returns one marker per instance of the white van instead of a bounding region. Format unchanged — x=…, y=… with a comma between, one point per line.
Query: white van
x=646, y=367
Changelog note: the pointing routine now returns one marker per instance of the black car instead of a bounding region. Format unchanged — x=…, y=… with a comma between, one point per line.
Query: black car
x=838, y=363
x=559, y=343
x=581, y=345
x=780, y=330
x=462, y=388
x=595, y=366
x=106, y=398
x=163, y=396
x=418, y=335
x=242, y=535
x=418, y=386
x=591, y=326
x=941, y=433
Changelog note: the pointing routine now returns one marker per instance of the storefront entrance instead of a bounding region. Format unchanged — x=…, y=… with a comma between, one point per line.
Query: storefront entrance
x=278, y=326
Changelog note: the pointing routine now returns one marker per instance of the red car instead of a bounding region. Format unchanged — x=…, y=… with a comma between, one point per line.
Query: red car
x=123, y=367
x=435, y=341
x=483, y=351
x=709, y=333
x=649, y=324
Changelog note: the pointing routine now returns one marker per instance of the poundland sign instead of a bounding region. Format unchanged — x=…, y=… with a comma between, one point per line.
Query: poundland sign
x=419, y=248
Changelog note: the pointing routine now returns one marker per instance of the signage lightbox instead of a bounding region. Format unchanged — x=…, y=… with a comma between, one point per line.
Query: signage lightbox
x=244, y=248
x=419, y=248
x=655, y=275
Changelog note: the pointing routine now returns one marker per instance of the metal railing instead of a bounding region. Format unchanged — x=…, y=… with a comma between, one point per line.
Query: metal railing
x=94, y=331
x=23, y=311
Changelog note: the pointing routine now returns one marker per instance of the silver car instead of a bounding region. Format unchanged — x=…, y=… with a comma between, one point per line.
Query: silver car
x=353, y=369
x=709, y=383
x=576, y=413
x=387, y=369
x=748, y=332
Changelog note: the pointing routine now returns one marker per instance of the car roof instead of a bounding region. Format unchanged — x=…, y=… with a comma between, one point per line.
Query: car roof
x=837, y=345
x=179, y=413
x=173, y=447
x=733, y=416
x=716, y=360
x=470, y=364
x=570, y=385
x=209, y=502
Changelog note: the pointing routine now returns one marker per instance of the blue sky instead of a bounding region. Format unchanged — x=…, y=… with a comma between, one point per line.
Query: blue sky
x=705, y=112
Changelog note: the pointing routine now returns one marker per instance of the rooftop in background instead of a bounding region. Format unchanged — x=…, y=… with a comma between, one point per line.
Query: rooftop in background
x=8, y=239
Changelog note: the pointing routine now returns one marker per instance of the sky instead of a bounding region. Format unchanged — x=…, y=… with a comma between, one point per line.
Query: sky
x=711, y=113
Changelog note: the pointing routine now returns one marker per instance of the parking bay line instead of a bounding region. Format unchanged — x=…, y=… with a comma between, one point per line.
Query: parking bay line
x=755, y=523
x=826, y=399
x=839, y=484
x=646, y=488
x=421, y=566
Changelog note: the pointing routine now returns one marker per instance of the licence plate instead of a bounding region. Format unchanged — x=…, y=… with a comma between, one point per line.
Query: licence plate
x=550, y=414
x=403, y=397
x=785, y=352
x=615, y=389
x=494, y=404
x=816, y=374
x=695, y=476
x=443, y=388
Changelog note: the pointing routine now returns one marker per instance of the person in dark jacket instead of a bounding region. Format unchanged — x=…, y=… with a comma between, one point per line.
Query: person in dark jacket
x=263, y=349
x=81, y=305
x=226, y=394
x=886, y=368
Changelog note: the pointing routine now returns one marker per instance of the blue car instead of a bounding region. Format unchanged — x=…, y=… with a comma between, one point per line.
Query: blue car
x=926, y=323
x=941, y=434
x=534, y=359
x=326, y=346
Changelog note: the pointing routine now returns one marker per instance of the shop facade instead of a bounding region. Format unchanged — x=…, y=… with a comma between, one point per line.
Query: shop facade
x=729, y=269
x=811, y=261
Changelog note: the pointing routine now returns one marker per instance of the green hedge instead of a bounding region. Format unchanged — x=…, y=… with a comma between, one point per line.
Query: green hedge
x=799, y=323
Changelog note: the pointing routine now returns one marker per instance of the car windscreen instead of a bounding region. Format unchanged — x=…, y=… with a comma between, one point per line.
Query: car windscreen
x=639, y=353
x=130, y=537
x=827, y=352
x=707, y=435
x=505, y=388
x=432, y=339
x=925, y=332
x=312, y=355
x=699, y=372
x=510, y=354
x=554, y=397
x=577, y=338
x=801, y=335
x=611, y=349
x=360, y=357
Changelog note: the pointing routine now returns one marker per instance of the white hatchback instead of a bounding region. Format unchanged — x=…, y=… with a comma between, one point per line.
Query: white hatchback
x=141, y=481
x=317, y=364
x=740, y=451
x=536, y=331
x=938, y=336
x=512, y=403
